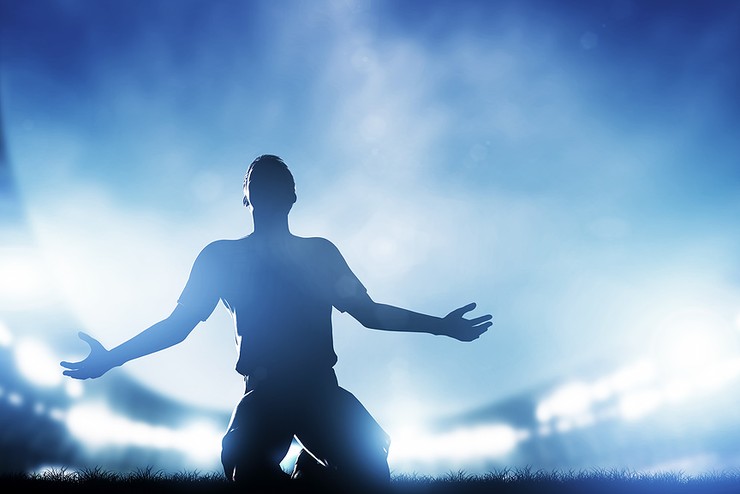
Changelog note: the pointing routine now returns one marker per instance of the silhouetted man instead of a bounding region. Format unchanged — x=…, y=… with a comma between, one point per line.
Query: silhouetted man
x=280, y=290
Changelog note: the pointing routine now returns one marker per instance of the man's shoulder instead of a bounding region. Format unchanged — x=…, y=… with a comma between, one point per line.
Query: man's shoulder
x=221, y=248
x=319, y=244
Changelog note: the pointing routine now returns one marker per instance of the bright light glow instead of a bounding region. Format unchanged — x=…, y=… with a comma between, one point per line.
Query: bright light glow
x=15, y=399
x=572, y=405
x=6, y=337
x=639, y=403
x=631, y=393
x=631, y=376
x=708, y=379
x=716, y=376
x=691, y=349
x=201, y=441
x=74, y=388
x=22, y=279
x=571, y=399
x=289, y=461
x=635, y=405
x=97, y=426
x=677, y=391
x=470, y=443
x=692, y=339
x=54, y=470
x=113, y=297
x=37, y=364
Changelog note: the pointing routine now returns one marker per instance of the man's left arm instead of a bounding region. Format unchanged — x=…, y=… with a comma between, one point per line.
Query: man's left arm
x=386, y=317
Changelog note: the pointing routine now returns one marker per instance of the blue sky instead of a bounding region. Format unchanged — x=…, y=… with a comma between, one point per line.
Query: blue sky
x=571, y=166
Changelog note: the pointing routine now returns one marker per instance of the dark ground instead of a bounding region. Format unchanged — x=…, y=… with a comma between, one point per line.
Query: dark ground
x=459, y=483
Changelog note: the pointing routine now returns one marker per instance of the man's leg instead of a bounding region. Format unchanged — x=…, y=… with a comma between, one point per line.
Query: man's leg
x=342, y=434
x=257, y=440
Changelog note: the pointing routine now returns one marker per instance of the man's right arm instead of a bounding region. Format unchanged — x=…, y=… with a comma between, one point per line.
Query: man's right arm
x=195, y=304
x=164, y=334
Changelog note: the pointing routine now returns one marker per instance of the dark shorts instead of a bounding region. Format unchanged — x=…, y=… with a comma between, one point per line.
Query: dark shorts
x=327, y=420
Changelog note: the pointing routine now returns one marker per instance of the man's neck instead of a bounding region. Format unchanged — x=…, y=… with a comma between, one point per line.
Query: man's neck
x=271, y=226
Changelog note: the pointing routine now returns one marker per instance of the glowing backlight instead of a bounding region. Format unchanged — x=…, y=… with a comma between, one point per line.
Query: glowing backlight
x=37, y=364
x=97, y=426
x=489, y=441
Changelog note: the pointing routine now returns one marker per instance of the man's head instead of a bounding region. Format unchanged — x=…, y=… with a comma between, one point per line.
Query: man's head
x=269, y=184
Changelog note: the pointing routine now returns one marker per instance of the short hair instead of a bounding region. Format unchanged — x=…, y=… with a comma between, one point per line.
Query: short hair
x=268, y=167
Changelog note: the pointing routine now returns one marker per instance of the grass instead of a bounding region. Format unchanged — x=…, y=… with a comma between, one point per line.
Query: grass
x=514, y=481
x=571, y=482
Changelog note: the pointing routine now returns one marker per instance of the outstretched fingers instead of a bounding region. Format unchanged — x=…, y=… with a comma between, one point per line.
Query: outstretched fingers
x=83, y=371
x=92, y=342
x=467, y=329
x=460, y=312
x=90, y=366
x=481, y=319
x=463, y=310
x=475, y=331
x=70, y=365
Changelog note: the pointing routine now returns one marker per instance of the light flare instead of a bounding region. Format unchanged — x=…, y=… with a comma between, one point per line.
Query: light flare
x=692, y=339
x=36, y=363
x=97, y=426
x=465, y=443
x=24, y=282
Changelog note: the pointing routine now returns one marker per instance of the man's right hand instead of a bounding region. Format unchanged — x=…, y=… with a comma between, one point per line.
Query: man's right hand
x=97, y=363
